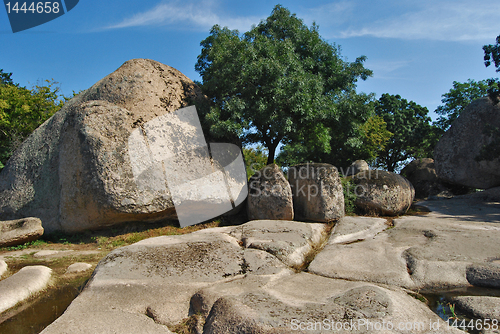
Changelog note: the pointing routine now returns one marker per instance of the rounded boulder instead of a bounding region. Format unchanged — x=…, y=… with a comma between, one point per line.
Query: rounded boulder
x=383, y=193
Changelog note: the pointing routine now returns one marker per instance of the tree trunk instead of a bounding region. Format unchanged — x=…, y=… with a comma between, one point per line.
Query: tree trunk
x=272, y=151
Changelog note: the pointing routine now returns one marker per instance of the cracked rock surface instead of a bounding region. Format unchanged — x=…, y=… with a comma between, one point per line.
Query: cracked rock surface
x=239, y=279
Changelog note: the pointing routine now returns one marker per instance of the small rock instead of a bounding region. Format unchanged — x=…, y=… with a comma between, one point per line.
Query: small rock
x=46, y=252
x=270, y=195
x=317, y=192
x=78, y=268
x=23, y=284
x=484, y=274
x=383, y=192
x=356, y=167
x=20, y=231
x=3, y=267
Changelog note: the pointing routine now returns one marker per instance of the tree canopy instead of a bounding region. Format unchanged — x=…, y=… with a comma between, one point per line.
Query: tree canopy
x=492, y=54
x=353, y=132
x=458, y=98
x=275, y=81
x=413, y=136
x=22, y=110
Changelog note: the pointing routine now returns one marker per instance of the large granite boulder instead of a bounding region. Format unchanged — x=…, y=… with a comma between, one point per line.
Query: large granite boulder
x=457, y=152
x=382, y=192
x=422, y=175
x=269, y=195
x=75, y=172
x=20, y=231
x=317, y=192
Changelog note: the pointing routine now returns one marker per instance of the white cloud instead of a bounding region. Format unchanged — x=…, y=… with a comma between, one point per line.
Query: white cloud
x=458, y=20
x=200, y=15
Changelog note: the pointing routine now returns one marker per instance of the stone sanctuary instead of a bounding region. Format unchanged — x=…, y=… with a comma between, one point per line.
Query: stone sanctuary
x=322, y=272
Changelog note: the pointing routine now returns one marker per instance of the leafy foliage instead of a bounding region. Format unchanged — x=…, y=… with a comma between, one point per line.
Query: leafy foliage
x=5, y=78
x=492, y=53
x=412, y=134
x=355, y=132
x=458, y=98
x=255, y=159
x=350, y=197
x=22, y=110
x=274, y=81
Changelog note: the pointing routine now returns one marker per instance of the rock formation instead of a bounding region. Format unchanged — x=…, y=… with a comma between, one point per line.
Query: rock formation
x=357, y=167
x=269, y=195
x=317, y=192
x=74, y=172
x=20, y=231
x=457, y=154
x=382, y=192
x=238, y=279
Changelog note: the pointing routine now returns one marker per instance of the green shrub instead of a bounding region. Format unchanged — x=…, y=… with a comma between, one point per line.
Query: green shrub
x=349, y=196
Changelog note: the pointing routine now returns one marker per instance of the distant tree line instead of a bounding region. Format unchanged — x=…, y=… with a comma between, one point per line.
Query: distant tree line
x=281, y=84
x=22, y=110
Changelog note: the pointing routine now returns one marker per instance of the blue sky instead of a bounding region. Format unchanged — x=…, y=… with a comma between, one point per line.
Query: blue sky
x=415, y=48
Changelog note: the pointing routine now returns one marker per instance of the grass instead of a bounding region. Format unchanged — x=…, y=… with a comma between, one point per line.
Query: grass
x=34, y=243
x=349, y=196
x=111, y=238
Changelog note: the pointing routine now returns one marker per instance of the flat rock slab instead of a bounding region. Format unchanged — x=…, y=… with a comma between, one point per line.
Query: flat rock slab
x=478, y=307
x=429, y=251
x=78, y=268
x=109, y=322
x=20, y=231
x=46, y=253
x=23, y=284
x=291, y=242
x=351, y=229
x=157, y=277
x=484, y=274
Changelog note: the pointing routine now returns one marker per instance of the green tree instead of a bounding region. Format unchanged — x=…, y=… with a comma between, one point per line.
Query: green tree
x=458, y=98
x=5, y=78
x=413, y=136
x=22, y=110
x=353, y=132
x=492, y=53
x=275, y=80
x=255, y=159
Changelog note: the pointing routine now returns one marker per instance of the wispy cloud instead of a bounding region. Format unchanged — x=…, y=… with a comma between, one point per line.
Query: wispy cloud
x=457, y=20
x=201, y=15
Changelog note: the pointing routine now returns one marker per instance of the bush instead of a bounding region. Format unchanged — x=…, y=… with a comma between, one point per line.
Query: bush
x=349, y=195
